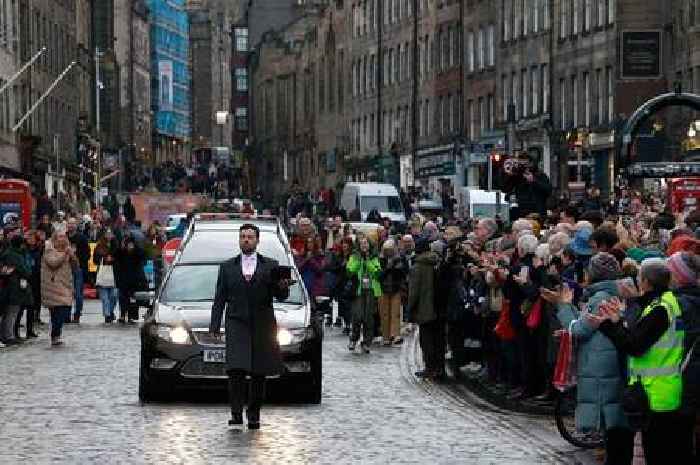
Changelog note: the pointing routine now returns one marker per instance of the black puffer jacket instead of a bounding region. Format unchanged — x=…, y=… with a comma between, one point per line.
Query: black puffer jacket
x=689, y=299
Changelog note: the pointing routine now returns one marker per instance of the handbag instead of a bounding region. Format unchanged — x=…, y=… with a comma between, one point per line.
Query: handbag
x=504, y=327
x=534, y=318
x=565, y=370
x=105, y=276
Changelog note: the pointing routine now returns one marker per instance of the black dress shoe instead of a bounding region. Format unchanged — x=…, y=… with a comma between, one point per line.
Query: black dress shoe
x=254, y=425
x=32, y=335
x=236, y=419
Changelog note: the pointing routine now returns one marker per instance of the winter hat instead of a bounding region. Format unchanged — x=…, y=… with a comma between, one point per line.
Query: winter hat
x=682, y=273
x=639, y=255
x=604, y=267
x=580, y=244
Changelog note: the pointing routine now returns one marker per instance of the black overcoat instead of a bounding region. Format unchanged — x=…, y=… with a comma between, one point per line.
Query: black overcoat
x=251, y=327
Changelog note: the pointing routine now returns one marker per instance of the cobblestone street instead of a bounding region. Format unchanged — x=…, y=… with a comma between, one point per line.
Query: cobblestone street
x=78, y=404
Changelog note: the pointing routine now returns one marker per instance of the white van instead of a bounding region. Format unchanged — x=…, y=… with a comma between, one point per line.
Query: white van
x=367, y=196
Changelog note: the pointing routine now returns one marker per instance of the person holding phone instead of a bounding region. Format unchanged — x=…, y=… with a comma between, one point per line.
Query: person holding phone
x=245, y=289
x=364, y=268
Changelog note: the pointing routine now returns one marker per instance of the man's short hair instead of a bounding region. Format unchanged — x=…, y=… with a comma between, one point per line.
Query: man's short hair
x=250, y=227
x=604, y=237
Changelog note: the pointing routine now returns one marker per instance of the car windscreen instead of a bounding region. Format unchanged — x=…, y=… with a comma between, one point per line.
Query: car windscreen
x=382, y=203
x=208, y=245
x=197, y=283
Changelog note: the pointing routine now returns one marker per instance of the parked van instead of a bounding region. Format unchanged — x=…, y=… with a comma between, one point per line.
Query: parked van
x=367, y=196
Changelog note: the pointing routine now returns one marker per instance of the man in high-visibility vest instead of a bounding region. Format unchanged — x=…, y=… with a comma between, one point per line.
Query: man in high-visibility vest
x=655, y=349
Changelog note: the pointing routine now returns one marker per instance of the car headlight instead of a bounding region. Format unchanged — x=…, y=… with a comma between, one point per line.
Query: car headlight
x=173, y=334
x=288, y=337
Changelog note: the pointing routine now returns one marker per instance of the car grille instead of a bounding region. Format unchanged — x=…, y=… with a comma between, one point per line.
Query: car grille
x=196, y=368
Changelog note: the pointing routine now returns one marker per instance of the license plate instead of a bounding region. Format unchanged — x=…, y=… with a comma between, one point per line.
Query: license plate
x=214, y=356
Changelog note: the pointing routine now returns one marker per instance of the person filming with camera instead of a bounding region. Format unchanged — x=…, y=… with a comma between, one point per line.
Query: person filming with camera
x=530, y=186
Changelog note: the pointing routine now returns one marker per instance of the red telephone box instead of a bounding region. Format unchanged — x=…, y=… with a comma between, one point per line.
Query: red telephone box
x=15, y=201
x=684, y=194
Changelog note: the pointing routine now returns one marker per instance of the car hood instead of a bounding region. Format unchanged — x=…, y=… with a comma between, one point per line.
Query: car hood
x=198, y=314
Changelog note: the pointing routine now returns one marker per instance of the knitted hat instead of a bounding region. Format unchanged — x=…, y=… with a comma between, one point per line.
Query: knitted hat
x=682, y=274
x=639, y=255
x=580, y=244
x=604, y=267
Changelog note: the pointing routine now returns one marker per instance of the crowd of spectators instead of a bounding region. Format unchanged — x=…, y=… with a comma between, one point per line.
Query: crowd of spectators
x=491, y=300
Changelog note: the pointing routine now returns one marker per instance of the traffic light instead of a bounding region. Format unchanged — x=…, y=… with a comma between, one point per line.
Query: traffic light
x=496, y=157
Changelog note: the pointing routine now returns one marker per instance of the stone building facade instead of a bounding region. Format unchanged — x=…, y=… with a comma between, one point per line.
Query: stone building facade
x=211, y=27
x=433, y=91
x=50, y=132
x=10, y=161
x=132, y=53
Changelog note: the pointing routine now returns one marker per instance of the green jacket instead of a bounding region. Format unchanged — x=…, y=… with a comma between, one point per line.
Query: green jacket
x=358, y=266
x=421, y=289
x=15, y=295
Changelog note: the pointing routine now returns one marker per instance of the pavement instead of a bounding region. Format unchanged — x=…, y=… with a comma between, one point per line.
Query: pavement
x=78, y=404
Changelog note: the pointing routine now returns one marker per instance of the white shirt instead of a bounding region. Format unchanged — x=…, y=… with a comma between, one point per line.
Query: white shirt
x=248, y=264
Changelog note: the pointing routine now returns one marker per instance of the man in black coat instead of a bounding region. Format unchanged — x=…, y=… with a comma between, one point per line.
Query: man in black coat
x=246, y=287
x=531, y=188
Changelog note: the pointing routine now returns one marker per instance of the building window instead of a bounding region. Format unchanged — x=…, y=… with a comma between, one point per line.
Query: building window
x=471, y=132
x=562, y=103
x=526, y=17
x=563, y=17
x=242, y=79
x=546, y=21
x=587, y=15
x=492, y=45
x=536, y=16
x=545, y=89
x=587, y=98
x=455, y=46
x=504, y=90
x=534, y=85
x=517, y=18
x=481, y=45
x=241, y=35
x=574, y=95
x=611, y=12
x=514, y=95
x=241, y=119
x=611, y=96
x=600, y=92
x=524, y=92
x=482, y=116
x=575, y=24
x=470, y=52
x=507, y=11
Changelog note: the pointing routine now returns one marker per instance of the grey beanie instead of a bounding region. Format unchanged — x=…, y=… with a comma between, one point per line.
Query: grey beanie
x=604, y=267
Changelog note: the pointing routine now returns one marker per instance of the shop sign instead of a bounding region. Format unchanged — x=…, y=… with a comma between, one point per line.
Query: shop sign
x=439, y=161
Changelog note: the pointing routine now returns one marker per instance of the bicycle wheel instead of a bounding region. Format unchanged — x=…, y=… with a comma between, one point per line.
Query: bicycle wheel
x=564, y=416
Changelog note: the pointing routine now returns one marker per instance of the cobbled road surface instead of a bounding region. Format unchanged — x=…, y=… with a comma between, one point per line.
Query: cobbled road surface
x=78, y=404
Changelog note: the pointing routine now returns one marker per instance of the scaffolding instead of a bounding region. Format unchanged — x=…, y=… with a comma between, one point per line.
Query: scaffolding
x=170, y=67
